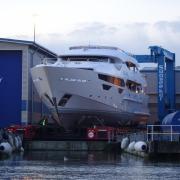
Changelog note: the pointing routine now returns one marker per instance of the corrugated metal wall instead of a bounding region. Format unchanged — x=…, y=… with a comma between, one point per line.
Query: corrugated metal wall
x=36, y=109
x=151, y=77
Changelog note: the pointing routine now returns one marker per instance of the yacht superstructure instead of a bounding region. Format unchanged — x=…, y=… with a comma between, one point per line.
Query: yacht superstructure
x=93, y=85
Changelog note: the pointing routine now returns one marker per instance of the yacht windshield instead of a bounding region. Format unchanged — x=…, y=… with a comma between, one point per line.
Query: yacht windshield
x=88, y=58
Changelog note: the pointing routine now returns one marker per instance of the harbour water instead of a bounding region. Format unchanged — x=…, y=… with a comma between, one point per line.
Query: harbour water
x=86, y=165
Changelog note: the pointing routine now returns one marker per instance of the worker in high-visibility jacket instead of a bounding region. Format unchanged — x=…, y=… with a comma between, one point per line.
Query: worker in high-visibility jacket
x=43, y=121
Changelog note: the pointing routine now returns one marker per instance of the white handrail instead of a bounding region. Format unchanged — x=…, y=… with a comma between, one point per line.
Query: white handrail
x=163, y=125
x=49, y=60
x=169, y=131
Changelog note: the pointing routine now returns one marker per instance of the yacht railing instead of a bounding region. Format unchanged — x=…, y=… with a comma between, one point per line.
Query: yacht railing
x=163, y=132
x=49, y=60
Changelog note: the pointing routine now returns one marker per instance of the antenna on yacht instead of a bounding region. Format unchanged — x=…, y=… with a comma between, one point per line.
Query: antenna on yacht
x=34, y=32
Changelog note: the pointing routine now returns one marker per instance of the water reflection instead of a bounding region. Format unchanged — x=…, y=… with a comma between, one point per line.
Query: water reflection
x=72, y=157
x=86, y=165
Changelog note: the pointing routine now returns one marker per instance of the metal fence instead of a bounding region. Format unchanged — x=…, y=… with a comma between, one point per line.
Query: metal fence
x=163, y=132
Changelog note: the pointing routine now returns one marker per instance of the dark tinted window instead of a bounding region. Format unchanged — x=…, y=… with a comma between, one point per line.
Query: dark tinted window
x=111, y=79
x=106, y=87
x=133, y=86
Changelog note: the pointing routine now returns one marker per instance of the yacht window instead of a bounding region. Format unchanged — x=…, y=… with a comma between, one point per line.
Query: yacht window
x=112, y=61
x=93, y=59
x=88, y=58
x=64, y=100
x=131, y=66
x=90, y=69
x=106, y=87
x=133, y=86
x=77, y=59
x=103, y=60
x=120, y=90
x=112, y=80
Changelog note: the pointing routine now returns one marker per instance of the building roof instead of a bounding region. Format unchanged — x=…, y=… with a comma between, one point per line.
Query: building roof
x=32, y=45
x=149, y=69
x=154, y=69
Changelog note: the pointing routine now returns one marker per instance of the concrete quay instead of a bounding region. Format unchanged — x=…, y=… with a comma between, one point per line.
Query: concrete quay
x=164, y=147
x=71, y=145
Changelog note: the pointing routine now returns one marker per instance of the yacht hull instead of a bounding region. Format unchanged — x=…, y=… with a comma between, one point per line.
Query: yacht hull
x=85, y=118
x=76, y=98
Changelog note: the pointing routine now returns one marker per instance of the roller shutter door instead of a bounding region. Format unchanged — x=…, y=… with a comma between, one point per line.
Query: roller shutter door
x=10, y=87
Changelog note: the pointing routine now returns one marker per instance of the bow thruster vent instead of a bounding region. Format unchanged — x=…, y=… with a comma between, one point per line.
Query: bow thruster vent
x=64, y=100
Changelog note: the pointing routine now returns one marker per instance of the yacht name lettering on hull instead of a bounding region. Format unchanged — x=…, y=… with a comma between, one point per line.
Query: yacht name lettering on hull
x=73, y=80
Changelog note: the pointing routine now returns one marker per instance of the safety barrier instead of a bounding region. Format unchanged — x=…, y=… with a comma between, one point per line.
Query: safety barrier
x=163, y=132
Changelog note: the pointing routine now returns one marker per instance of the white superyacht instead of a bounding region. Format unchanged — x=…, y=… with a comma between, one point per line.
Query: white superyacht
x=93, y=85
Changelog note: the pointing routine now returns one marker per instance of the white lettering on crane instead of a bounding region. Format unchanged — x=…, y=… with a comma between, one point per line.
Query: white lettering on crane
x=161, y=83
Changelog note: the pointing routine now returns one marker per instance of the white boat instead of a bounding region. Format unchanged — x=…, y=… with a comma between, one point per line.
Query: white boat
x=93, y=85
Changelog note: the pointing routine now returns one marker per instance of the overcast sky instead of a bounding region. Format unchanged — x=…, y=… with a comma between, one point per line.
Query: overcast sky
x=132, y=25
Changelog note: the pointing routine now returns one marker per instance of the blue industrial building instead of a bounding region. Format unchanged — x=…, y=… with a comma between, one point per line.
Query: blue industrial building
x=19, y=103
x=150, y=74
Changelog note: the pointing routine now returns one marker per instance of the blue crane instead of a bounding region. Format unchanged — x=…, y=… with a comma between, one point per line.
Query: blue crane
x=165, y=76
